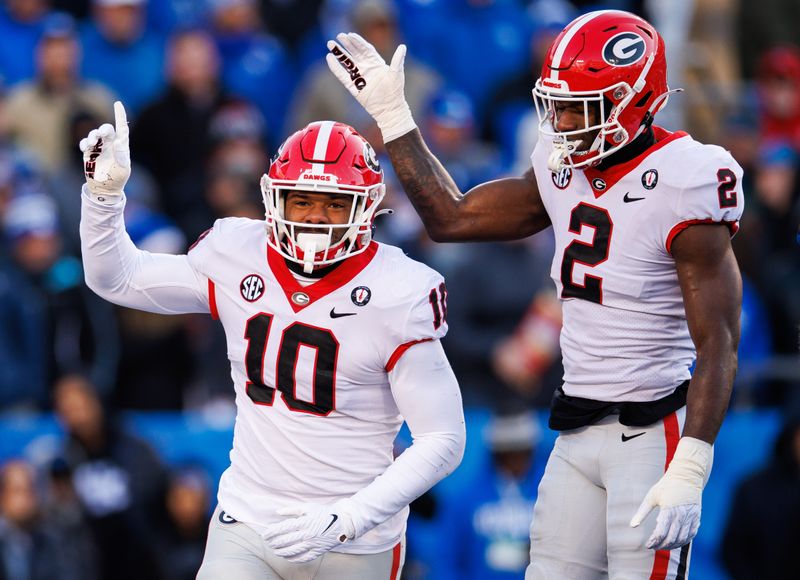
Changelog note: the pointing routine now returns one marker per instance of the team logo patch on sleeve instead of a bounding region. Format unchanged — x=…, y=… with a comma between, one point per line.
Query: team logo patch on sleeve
x=360, y=295
x=252, y=287
x=649, y=179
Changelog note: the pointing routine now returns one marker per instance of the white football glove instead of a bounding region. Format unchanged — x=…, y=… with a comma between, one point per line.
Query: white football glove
x=376, y=85
x=678, y=494
x=107, y=157
x=310, y=531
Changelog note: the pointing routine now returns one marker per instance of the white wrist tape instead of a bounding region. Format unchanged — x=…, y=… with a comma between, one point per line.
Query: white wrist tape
x=692, y=461
x=396, y=122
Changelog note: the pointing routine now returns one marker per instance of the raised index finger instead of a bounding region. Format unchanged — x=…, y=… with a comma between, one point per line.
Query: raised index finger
x=120, y=120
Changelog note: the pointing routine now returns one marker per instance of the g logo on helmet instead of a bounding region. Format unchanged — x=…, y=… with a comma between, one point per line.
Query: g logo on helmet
x=371, y=158
x=624, y=49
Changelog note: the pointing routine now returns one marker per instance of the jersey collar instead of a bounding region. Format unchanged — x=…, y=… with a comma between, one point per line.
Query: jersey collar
x=611, y=175
x=334, y=280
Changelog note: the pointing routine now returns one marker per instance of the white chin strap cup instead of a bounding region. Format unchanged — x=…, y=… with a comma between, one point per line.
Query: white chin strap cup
x=311, y=244
x=561, y=151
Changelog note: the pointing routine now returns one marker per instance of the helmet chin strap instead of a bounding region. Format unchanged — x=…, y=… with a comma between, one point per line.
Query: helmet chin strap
x=311, y=244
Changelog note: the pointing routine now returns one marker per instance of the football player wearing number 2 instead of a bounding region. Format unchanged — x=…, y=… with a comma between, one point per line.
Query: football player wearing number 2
x=333, y=341
x=644, y=268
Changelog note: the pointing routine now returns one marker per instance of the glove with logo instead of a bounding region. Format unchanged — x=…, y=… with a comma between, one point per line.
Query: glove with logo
x=678, y=494
x=310, y=531
x=107, y=158
x=376, y=85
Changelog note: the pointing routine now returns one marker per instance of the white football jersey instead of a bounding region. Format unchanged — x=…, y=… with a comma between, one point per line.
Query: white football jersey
x=316, y=418
x=625, y=336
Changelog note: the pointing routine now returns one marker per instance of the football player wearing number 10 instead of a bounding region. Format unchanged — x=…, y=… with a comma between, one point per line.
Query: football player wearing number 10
x=643, y=265
x=333, y=341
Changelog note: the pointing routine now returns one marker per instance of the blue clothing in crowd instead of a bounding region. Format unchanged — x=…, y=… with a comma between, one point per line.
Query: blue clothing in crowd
x=18, y=56
x=487, y=526
x=256, y=67
x=134, y=72
x=474, y=67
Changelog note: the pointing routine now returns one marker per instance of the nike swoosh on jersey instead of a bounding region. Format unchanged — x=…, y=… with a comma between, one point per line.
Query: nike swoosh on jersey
x=629, y=437
x=628, y=199
x=333, y=521
x=335, y=314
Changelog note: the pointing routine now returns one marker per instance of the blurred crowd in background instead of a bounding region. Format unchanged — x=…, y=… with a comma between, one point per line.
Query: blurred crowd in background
x=212, y=87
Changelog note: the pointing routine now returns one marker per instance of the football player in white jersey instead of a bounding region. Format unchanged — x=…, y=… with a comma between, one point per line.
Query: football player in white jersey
x=643, y=266
x=333, y=341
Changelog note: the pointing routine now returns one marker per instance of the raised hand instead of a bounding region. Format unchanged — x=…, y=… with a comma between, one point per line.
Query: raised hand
x=107, y=156
x=376, y=85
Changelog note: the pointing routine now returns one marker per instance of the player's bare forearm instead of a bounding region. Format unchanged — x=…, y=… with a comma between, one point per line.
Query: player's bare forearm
x=504, y=209
x=712, y=291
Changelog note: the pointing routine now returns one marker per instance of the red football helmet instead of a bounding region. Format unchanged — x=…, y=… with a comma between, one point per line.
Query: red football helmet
x=323, y=157
x=611, y=60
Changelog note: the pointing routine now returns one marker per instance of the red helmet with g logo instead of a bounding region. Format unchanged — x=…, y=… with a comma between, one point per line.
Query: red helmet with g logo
x=610, y=60
x=323, y=157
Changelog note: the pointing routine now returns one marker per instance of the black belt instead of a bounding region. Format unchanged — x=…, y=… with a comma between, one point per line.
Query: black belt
x=573, y=412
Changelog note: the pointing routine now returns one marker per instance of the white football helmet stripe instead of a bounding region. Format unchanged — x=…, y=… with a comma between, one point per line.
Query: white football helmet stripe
x=565, y=40
x=321, y=146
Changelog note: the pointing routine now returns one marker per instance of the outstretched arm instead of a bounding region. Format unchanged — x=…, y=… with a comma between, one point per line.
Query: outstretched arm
x=504, y=209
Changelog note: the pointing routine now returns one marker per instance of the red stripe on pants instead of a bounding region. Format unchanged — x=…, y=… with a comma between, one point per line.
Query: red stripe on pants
x=396, y=561
x=672, y=434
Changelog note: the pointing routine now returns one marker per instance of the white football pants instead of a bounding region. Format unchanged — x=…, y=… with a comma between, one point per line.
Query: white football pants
x=595, y=479
x=235, y=551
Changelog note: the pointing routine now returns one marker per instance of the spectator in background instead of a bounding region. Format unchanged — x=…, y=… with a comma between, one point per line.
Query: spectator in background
x=64, y=512
x=182, y=540
x=21, y=25
x=761, y=26
x=122, y=53
x=236, y=163
x=38, y=111
x=28, y=547
x=490, y=38
x=778, y=91
x=487, y=523
x=19, y=168
x=158, y=361
x=172, y=137
x=118, y=479
x=50, y=323
x=710, y=71
x=525, y=359
x=777, y=212
x=321, y=96
x=449, y=127
x=255, y=65
x=483, y=318
x=763, y=528
x=291, y=20
x=166, y=16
